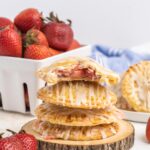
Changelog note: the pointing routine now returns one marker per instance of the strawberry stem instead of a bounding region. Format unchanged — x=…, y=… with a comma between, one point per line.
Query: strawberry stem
x=30, y=38
x=42, y=18
x=13, y=132
x=70, y=22
x=1, y=135
x=54, y=18
x=22, y=131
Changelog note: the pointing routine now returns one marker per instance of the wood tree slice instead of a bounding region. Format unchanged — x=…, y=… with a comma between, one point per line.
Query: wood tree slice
x=123, y=140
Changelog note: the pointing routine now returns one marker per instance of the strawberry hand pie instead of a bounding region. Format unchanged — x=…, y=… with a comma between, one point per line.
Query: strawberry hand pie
x=77, y=68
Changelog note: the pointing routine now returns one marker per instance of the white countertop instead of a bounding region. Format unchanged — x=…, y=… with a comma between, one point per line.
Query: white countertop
x=15, y=121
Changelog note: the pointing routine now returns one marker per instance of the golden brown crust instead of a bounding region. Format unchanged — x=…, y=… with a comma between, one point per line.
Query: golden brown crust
x=76, y=117
x=136, y=86
x=51, y=131
x=50, y=74
x=123, y=104
x=78, y=94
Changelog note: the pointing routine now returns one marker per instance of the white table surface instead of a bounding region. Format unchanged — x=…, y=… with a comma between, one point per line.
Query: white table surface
x=14, y=121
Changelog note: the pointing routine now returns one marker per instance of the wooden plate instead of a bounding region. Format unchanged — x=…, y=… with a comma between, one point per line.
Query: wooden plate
x=123, y=140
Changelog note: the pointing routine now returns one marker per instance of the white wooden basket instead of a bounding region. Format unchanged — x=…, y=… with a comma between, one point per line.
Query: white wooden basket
x=15, y=73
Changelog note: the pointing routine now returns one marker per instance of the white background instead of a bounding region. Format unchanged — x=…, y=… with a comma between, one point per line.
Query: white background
x=117, y=23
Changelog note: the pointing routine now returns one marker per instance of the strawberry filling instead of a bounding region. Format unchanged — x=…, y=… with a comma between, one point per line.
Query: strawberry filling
x=77, y=72
x=49, y=137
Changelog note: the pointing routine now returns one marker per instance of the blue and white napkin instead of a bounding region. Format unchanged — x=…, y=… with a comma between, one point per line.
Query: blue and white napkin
x=117, y=60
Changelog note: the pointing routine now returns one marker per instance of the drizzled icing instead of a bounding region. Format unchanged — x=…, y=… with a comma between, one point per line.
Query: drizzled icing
x=62, y=94
x=113, y=130
x=103, y=134
x=75, y=133
x=140, y=83
x=79, y=93
x=92, y=95
x=76, y=117
x=57, y=92
x=71, y=95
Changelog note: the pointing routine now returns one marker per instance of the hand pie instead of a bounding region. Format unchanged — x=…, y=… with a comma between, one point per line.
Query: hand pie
x=50, y=131
x=76, y=117
x=78, y=94
x=123, y=104
x=136, y=86
x=77, y=68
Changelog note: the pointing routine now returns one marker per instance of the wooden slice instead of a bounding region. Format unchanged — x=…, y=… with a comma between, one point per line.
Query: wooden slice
x=123, y=140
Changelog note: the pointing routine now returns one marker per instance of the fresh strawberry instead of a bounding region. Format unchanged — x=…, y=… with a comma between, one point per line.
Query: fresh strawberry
x=37, y=52
x=11, y=143
x=18, y=141
x=58, y=33
x=27, y=19
x=5, y=22
x=10, y=43
x=54, y=52
x=29, y=141
x=75, y=44
x=148, y=130
x=35, y=36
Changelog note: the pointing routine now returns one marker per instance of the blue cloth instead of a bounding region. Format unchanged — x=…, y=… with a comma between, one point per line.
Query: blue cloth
x=117, y=60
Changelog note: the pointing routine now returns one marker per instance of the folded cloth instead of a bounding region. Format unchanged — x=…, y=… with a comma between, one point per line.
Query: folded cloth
x=117, y=60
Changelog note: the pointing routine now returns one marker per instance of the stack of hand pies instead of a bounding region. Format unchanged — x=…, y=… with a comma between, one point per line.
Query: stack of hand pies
x=77, y=105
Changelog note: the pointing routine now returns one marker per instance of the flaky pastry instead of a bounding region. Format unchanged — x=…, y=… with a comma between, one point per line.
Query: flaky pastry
x=77, y=68
x=136, y=86
x=51, y=131
x=76, y=117
x=78, y=94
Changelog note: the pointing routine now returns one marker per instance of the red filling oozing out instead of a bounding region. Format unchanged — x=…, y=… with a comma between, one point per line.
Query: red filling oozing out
x=49, y=137
x=77, y=72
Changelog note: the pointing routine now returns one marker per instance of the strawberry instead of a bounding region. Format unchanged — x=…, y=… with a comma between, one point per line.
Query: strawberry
x=10, y=43
x=148, y=130
x=28, y=141
x=58, y=33
x=35, y=36
x=75, y=44
x=54, y=52
x=37, y=52
x=18, y=141
x=5, y=22
x=27, y=19
x=11, y=143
